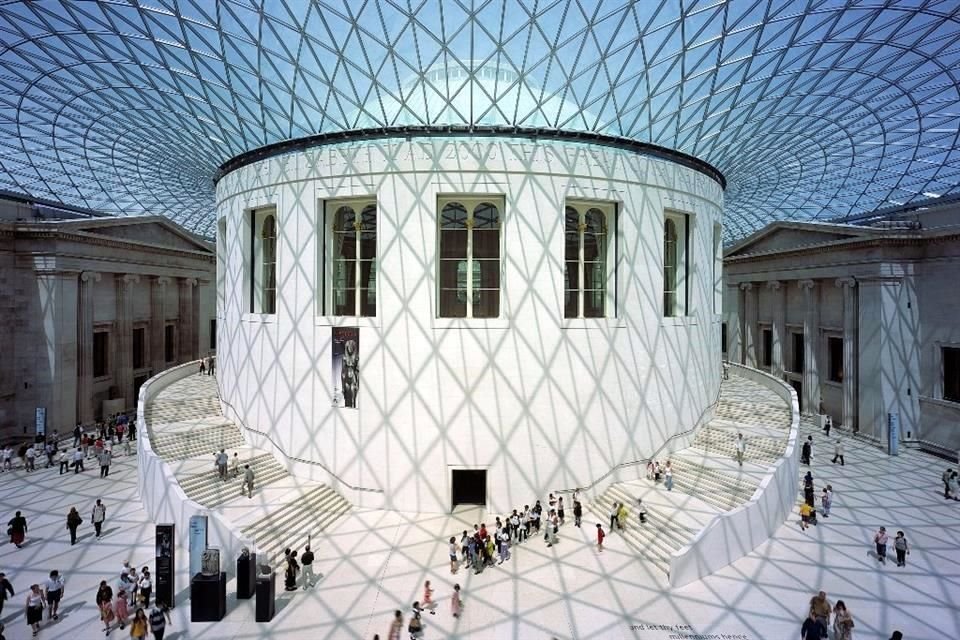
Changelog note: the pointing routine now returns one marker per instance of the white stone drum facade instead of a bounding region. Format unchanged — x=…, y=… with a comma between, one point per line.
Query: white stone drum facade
x=534, y=388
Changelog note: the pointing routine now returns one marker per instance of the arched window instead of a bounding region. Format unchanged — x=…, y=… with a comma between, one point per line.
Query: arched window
x=268, y=264
x=589, y=274
x=469, y=265
x=675, y=267
x=354, y=269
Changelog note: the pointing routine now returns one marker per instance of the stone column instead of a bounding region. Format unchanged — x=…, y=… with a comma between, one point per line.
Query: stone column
x=123, y=372
x=188, y=323
x=734, y=316
x=811, y=346
x=749, y=324
x=778, y=297
x=849, y=352
x=85, y=411
x=158, y=319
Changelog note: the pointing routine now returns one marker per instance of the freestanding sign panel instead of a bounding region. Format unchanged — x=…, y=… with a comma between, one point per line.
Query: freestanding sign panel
x=893, y=433
x=41, y=421
x=166, y=563
x=198, y=543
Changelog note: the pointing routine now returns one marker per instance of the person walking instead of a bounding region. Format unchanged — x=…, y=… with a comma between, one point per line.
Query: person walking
x=73, y=521
x=99, y=515
x=78, y=457
x=34, y=608
x=946, y=482
x=105, y=457
x=560, y=511
x=222, y=460
x=64, y=460
x=668, y=476
x=600, y=536
x=247, y=481
x=17, y=529
x=614, y=508
x=121, y=608
x=306, y=560
x=456, y=603
x=952, y=486
x=293, y=568
x=29, y=458
x=7, y=459
x=159, y=619
x=54, y=592
x=396, y=626
x=641, y=511
x=838, y=452
x=826, y=501
x=820, y=608
x=145, y=584
x=428, y=603
x=139, y=626
x=203, y=366
x=104, y=602
x=622, y=515
x=805, y=451
x=235, y=465
x=741, y=445
x=812, y=628
x=452, y=552
x=880, y=539
x=6, y=590
x=77, y=434
x=577, y=513
x=805, y=511
x=842, y=622
x=808, y=488
x=902, y=548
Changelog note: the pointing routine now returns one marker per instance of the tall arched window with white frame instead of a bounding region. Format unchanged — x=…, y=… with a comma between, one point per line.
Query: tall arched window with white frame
x=262, y=264
x=353, y=282
x=589, y=260
x=469, y=257
x=676, y=268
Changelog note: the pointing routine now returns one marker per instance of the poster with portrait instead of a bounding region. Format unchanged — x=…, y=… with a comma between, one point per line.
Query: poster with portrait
x=346, y=366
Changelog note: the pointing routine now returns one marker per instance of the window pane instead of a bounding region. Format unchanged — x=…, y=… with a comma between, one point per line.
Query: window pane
x=669, y=267
x=344, y=302
x=451, y=305
x=368, y=302
x=453, y=216
x=453, y=244
x=571, y=235
x=835, y=359
x=486, y=216
x=487, y=303
x=593, y=300
x=486, y=243
x=100, y=354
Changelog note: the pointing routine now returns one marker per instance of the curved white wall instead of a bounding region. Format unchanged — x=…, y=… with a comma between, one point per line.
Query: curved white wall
x=541, y=402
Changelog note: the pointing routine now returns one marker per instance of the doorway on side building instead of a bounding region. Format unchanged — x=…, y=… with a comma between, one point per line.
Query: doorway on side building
x=137, y=383
x=468, y=486
x=798, y=387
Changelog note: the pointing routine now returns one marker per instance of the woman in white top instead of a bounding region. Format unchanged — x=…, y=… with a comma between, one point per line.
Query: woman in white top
x=668, y=476
x=34, y=608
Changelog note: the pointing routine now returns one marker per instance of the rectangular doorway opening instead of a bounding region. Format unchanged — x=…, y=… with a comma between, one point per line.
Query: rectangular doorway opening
x=798, y=387
x=469, y=486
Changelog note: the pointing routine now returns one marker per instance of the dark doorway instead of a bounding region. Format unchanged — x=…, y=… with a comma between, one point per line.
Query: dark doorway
x=469, y=487
x=798, y=387
x=137, y=383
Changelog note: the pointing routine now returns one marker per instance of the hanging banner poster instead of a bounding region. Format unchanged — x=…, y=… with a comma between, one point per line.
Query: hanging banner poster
x=198, y=543
x=346, y=366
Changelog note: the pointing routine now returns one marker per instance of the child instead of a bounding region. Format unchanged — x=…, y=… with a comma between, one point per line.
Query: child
x=456, y=604
x=805, y=510
x=600, y=537
x=428, y=598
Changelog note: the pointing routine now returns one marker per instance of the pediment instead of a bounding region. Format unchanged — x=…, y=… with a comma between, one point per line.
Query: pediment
x=779, y=238
x=151, y=232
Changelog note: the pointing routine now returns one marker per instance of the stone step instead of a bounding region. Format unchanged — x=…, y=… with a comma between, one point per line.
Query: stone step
x=654, y=554
x=257, y=463
x=217, y=492
x=621, y=493
x=320, y=499
x=683, y=467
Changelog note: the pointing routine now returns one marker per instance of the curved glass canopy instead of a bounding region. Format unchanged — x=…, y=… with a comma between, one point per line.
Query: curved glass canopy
x=813, y=109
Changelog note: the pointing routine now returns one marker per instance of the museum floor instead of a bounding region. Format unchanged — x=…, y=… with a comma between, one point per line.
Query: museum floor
x=376, y=561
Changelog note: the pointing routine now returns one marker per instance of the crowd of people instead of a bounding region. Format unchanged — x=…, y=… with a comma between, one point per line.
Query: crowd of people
x=822, y=617
x=228, y=468
x=129, y=602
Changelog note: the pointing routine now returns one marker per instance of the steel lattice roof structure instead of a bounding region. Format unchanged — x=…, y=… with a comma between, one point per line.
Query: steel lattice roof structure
x=813, y=109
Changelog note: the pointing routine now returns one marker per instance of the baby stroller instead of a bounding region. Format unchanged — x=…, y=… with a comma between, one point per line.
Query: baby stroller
x=813, y=518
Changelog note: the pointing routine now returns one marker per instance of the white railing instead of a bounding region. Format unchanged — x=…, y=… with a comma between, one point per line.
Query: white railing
x=160, y=492
x=733, y=534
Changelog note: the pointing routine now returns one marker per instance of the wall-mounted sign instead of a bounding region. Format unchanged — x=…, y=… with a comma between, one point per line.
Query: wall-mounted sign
x=346, y=366
x=198, y=543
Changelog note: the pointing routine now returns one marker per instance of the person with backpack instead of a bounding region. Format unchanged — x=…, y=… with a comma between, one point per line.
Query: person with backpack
x=902, y=548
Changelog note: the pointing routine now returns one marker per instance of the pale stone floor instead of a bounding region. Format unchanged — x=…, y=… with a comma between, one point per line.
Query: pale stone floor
x=376, y=561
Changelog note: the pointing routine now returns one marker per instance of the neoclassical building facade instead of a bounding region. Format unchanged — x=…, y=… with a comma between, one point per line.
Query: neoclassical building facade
x=92, y=307
x=860, y=319
x=443, y=319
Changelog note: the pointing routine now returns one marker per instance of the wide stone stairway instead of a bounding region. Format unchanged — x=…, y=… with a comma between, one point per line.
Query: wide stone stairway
x=707, y=479
x=186, y=429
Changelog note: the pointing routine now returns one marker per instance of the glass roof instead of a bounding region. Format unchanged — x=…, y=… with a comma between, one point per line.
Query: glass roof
x=813, y=109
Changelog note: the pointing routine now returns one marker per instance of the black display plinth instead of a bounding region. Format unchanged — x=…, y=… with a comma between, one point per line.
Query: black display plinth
x=208, y=598
x=246, y=576
x=266, y=597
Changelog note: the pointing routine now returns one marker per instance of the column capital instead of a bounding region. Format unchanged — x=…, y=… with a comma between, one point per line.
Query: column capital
x=773, y=284
x=130, y=278
x=88, y=276
x=162, y=280
x=807, y=284
x=746, y=286
x=190, y=282
x=845, y=282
